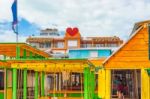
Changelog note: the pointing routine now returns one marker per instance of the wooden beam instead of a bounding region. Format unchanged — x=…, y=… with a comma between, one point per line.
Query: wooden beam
x=130, y=59
x=127, y=65
x=11, y=47
x=134, y=53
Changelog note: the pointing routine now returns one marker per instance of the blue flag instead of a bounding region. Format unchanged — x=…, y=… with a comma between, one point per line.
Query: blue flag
x=15, y=17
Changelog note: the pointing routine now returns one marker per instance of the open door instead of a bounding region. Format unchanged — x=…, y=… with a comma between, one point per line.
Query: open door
x=127, y=83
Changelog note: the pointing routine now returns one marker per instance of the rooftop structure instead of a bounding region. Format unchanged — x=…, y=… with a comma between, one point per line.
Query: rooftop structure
x=71, y=40
x=29, y=73
x=49, y=32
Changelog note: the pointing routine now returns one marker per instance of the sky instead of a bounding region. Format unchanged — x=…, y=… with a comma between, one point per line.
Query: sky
x=92, y=17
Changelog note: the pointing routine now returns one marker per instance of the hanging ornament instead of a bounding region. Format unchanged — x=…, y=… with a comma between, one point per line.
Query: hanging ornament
x=72, y=31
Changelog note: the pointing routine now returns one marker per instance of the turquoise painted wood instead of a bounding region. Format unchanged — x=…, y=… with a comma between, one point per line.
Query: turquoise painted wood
x=86, y=53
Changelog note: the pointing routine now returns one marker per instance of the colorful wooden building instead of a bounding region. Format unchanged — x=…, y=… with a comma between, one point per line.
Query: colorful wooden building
x=28, y=73
x=11, y=80
x=131, y=64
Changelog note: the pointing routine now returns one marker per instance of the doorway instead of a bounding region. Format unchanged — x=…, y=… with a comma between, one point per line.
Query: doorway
x=126, y=82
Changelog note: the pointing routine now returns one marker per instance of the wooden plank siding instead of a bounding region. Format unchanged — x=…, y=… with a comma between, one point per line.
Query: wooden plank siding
x=134, y=54
x=4, y=64
x=9, y=49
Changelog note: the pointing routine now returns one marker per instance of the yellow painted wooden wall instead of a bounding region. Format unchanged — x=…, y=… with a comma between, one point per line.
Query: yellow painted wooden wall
x=145, y=85
x=134, y=54
x=104, y=84
x=9, y=93
x=9, y=85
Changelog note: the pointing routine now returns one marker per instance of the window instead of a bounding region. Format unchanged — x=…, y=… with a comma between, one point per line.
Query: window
x=41, y=45
x=89, y=45
x=101, y=45
x=35, y=45
x=43, y=34
x=47, y=45
x=1, y=80
x=72, y=43
x=93, y=54
x=113, y=45
x=60, y=44
x=98, y=45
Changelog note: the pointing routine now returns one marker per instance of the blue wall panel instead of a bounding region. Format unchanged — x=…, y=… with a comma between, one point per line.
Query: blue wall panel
x=85, y=53
x=104, y=53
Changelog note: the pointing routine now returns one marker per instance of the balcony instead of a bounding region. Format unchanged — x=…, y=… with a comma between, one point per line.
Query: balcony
x=98, y=45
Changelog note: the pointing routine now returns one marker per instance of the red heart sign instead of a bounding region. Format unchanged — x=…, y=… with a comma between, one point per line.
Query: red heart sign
x=72, y=31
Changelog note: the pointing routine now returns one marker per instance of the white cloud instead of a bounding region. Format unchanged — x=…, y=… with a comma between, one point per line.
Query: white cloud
x=9, y=36
x=93, y=17
x=5, y=10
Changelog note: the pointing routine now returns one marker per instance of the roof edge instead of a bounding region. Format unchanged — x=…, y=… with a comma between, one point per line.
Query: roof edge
x=123, y=44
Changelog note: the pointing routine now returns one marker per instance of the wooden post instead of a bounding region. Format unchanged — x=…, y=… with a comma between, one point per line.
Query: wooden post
x=108, y=84
x=42, y=84
x=145, y=85
x=101, y=83
x=14, y=87
x=24, y=54
x=92, y=77
x=86, y=83
x=36, y=85
x=135, y=84
x=17, y=52
x=5, y=83
x=5, y=80
x=25, y=84
x=30, y=55
x=14, y=75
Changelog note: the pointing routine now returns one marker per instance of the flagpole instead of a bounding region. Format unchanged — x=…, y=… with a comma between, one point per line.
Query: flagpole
x=15, y=19
x=17, y=39
x=17, y=26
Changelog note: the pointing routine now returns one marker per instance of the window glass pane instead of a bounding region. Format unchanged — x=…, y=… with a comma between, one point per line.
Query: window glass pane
x=72, y=43
x=93, y=54
x=1, y=80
